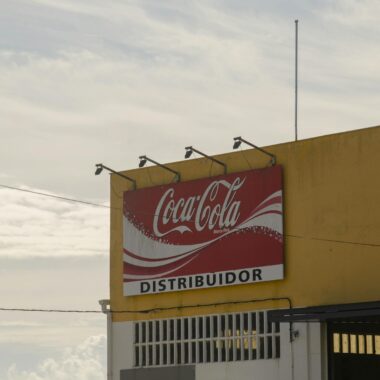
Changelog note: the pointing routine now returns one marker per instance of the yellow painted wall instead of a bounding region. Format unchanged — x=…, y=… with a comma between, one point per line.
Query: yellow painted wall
x=332, y=227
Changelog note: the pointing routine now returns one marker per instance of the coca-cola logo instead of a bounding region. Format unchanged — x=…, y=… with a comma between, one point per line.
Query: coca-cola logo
x=216, y=209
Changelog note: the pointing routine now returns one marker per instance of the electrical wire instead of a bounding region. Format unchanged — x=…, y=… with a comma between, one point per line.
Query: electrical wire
x=152, y=214
x=145, y=311
x=55, y=196
x=152, y=310
x=335, y=241
x=245, y=158
x=49, y=310
x=215, y=304
x=210, y=170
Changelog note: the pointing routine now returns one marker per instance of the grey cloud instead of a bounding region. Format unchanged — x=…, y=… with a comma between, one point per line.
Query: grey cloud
x=32, y=226
x=180, y=73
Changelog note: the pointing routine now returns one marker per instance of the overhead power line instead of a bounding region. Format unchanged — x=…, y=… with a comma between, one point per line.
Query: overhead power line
x=152, y=214
x=213, y=304
x=49, y=310
x=335, y=241
x=153, y=310
x=55, y=196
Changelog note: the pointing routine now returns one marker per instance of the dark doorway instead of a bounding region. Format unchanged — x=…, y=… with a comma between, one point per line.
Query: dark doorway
x=354, y=349
x=186, y=372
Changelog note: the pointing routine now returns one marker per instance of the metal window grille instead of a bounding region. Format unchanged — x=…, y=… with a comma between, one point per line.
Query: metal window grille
x=206, y=339
x=356, y=343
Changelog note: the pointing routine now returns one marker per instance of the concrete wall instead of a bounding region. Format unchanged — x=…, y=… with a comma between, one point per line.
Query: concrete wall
x=332, y=223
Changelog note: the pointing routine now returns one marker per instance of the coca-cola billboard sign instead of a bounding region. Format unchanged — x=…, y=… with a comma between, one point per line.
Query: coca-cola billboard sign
x=218, y=231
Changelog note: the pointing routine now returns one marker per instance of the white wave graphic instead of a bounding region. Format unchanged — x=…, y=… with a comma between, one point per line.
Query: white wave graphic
x=181, y=229
x=136, y=242
x=143, y=246
x=154, y=264
x=149, y=276
x=276, y=207
x=266, y=220
x=274, y=195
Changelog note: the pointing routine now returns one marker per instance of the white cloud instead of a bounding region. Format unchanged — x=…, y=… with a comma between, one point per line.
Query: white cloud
x=83, y=362
x=48, y=331
x=33, y=225
x=179, y=74
x=352, y=13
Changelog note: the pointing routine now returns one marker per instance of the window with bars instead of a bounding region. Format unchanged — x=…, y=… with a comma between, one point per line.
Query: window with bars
x=356, y=343
x=206, y=339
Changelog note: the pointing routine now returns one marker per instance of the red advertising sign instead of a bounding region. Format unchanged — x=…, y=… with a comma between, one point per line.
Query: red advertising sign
x=218, y=231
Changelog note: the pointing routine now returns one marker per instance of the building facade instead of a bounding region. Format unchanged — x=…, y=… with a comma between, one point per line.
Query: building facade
x=303, y=299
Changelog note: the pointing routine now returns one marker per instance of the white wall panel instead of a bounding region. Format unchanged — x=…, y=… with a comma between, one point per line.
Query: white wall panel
x=301, y=360
x=250, y=370
x=122, y=347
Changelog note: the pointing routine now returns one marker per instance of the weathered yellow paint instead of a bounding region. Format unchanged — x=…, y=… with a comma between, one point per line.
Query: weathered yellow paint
x=332, y=227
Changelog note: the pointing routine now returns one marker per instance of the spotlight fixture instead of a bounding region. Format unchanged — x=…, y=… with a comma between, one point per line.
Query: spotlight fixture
x=190, y=150
x=188, y=153
x=144, y=159
x=100, y=167
x=142, y=162
x=239, y=140
x=237, y=143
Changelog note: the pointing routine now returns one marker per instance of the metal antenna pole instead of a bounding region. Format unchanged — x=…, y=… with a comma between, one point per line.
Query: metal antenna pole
x=296, y=84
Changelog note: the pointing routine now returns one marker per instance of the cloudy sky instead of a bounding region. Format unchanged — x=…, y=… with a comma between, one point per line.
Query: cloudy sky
x=88, y=81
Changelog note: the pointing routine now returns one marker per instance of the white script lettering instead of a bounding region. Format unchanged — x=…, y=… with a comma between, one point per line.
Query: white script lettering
x=207, y=213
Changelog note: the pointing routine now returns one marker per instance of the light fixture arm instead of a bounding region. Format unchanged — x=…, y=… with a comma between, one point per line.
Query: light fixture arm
x=119, y=174
x=177, y=174
x=209, y=157
x=272, y=156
